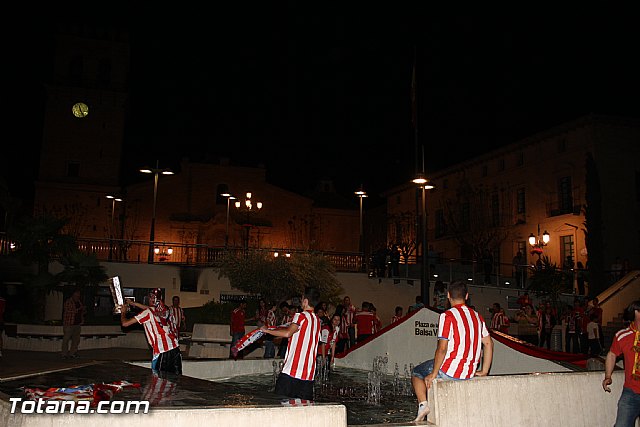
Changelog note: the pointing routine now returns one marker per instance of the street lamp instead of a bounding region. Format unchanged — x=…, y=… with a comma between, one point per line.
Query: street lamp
x=361, y=195
x=155, y=171
x=538, y=244
x=114, y=199
x=163, y=253
x=226, y=234
x=248, y=207
x=424, y=184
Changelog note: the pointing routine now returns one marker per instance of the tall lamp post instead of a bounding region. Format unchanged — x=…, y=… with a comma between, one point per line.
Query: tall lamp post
x=226, y=234
x=361, y=195
x=155, y=171
x=424, y=184
x=114, y=199
x=247, y=207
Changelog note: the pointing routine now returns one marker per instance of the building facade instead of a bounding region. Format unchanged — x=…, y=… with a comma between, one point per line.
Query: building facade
x=539, y=184
x=82, y=154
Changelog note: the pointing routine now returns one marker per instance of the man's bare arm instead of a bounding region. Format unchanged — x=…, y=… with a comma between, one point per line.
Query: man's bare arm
x=487, y=356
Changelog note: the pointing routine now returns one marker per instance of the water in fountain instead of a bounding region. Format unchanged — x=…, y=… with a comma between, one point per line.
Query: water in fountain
x=374, y=379
x=343, y=385
x=402, y=384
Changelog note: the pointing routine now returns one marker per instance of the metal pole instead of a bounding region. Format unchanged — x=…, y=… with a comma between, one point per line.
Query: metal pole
x=424, y=280
x=113, y=208
x=226, y=236
x=153, y=218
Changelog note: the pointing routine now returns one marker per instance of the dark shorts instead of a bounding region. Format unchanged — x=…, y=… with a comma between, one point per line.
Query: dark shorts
x=294, y=388
x=169, y=361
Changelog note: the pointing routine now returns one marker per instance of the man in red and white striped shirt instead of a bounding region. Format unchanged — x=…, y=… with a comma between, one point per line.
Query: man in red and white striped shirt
x=461, y=335
x=159, y=332
x=297, y=376
x=177, y=315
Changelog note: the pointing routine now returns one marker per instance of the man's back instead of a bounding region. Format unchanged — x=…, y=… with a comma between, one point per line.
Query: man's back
x=302, y=347
x=464, y=328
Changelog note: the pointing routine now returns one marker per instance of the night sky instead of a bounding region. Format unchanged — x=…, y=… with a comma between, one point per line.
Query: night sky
x=326, y=93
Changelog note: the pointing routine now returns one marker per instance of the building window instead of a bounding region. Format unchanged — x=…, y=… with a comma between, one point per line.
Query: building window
x=441, y=225
x=501, y=164
x=565, y=195
x=520, y=201
x=566, y=249
x=73, y=170
x=520, y=159
x=495, y=210
x=221, y=189
x=562, y=145
x=522, y=248
x=485, y=170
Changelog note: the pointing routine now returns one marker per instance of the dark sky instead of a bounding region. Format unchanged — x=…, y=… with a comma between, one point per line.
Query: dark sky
x=326, y=93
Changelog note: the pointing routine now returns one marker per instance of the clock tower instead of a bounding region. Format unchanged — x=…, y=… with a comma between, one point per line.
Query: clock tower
x=83, y=128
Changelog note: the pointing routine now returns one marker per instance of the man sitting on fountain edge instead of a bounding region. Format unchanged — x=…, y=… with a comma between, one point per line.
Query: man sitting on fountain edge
x=461, y=333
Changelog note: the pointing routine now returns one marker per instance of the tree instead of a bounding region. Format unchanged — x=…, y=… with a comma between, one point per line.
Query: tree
x=39, y=240
x=402, y=233
x=280, y=278
x=551, y=281
x=473, y=220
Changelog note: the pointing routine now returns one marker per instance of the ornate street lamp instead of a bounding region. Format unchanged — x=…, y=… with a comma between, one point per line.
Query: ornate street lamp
x=155, y=171
x=537, y=243
x=163, y=252
x=247, y=207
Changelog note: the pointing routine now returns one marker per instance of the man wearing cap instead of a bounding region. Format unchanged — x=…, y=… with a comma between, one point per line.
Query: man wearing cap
x=159, y=332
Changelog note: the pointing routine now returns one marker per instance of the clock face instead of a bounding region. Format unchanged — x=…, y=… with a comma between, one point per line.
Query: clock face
x=80, y=109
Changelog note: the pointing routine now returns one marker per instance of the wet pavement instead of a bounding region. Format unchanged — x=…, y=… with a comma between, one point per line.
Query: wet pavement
x=44, y=370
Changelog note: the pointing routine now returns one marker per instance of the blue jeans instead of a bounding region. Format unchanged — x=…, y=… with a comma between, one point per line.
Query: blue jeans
x=628, y=408
x=269, y=349
x=425, y=368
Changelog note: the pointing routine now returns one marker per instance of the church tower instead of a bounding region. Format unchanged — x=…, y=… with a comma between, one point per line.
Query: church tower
x=83, y=127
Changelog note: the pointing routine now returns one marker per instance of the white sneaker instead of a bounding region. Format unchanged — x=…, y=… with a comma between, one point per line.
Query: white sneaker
x=423, y=411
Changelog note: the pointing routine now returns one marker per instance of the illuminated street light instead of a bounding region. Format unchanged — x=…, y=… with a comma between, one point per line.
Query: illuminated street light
x=424, y=184
x=226, y=234
x=361, y=195
x=247, y=207
x=114, y=199
x=537, y=243
x=155, y=171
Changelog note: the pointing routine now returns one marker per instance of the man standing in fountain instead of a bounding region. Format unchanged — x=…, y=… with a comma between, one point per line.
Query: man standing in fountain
x=297, y=377
x=461, y=335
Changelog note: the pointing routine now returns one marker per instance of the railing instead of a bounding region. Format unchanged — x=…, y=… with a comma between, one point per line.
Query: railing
x=197, y=255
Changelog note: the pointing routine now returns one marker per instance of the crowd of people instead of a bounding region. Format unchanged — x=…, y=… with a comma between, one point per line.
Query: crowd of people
x=309, y=335
x=342, y=326
x=582, y=320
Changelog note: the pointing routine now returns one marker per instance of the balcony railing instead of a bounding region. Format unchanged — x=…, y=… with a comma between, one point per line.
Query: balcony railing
x=197, y=255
